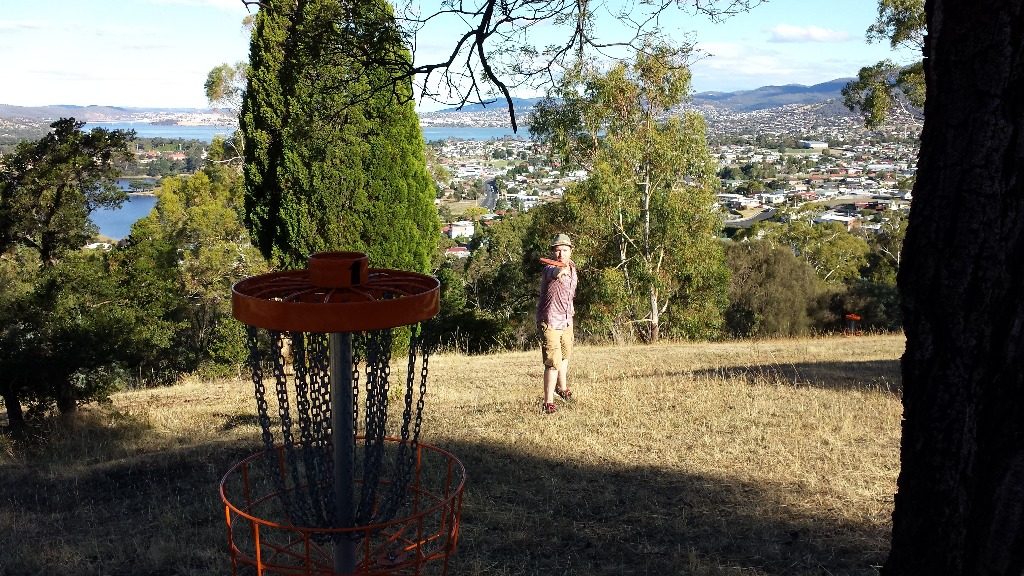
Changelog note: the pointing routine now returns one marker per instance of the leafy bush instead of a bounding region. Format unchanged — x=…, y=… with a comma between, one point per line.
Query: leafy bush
x=771, y=291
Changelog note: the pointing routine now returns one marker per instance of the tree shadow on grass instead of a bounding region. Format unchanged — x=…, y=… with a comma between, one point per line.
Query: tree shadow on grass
x=123, y=509
x=527, y=515
x=159, y=513
x=854, y=375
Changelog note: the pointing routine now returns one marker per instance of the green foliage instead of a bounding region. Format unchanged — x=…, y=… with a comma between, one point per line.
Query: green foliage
x=759, y=171
x=225, y=85
x=877, y=303
x=901, y=22
x=835, y=255
x=644, y=210
x=48, y=188
x=881, y=87
x=771, y=291
x=488, y=302
x=334, y=157
x=82, y=331
x=887, y=247
x=56, y=304
x=193, y=247
x=604, y=310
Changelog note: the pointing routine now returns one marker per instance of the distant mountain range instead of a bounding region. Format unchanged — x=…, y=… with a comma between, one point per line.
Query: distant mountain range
x=84, y=113
x=741, y=101
x=773, y=96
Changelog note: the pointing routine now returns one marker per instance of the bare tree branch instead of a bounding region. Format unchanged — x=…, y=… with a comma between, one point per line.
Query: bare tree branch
x=491, y=49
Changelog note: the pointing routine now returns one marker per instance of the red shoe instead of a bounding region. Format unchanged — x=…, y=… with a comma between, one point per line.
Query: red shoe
x=549, y=408
x=564, y=394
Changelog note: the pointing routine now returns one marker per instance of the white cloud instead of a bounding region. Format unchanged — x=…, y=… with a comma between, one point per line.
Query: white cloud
x=229, y=5
x=734, y=66
x=20, y=25
x=788, y=33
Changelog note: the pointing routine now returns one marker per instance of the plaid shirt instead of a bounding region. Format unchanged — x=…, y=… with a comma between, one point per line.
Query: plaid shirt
x=555, y=306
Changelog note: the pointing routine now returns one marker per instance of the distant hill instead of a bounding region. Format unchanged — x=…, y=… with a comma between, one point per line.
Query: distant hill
x=499, y=105
x=84, y=113
x=773, y=96
x=18, y=122
x=741, y=101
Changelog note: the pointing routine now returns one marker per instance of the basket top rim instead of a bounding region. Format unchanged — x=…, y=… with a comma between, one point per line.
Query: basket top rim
x=337, y=293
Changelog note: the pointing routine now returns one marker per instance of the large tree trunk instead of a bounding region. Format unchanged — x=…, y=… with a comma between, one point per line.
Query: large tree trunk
x=960, y=503
x=67, y=403
x=15, y=417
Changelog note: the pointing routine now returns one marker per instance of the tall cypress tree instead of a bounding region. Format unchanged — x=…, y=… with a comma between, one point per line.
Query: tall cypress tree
x=334, y=156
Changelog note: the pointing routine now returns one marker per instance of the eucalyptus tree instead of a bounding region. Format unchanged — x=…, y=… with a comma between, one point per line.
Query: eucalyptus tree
x=644, y=215
x=834, y=254
x=48, y=188
x=195, y=243
x=959, y=507
x=885, y=86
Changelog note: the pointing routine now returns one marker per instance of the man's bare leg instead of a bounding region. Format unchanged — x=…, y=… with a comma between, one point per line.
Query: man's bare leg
x=551, y=376
x=563, y=372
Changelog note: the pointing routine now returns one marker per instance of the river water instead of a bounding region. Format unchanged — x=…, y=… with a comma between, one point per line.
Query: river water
x=117, y=224
x=206, y=133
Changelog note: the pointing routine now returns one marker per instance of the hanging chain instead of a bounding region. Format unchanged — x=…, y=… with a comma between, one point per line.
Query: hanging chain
x=307, y=465
x=357, y=344
x=424, y=372
x=312, y=460
x=378, y=356
x=319, y=390
x=320, y=407
x=298, y=508
x=405, y=456
x=256, y=368
x=409, y=380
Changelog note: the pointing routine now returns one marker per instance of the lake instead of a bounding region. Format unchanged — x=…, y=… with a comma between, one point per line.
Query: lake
x=118, y=223
x=206, y=133
x=472, y=133
x=149, y=130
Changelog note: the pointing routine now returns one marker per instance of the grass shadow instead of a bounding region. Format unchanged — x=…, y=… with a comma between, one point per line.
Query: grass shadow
x=528, y=515
x=851, y=375
x=232, y=421
x=160, y=513
x=102, y=503
x=154, y=513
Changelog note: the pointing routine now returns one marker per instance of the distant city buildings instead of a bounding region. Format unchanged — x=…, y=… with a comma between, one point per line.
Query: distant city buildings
x=812, y=144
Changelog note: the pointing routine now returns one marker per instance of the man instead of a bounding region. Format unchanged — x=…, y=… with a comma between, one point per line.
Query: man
x=554, y=320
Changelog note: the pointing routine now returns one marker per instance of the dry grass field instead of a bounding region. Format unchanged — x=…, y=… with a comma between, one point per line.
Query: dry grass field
x=756, y=457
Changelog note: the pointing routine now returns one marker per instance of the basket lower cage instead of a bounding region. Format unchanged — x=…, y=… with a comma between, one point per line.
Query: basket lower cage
x=418, y=540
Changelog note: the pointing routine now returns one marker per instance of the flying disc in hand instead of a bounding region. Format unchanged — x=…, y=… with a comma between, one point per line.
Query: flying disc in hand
x=551, y=262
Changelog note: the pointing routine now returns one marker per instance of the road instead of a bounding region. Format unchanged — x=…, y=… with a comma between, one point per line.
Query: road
x=748, y=222
x=490, y=200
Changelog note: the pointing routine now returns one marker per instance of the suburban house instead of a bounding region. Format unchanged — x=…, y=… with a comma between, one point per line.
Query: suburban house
x=462, y=228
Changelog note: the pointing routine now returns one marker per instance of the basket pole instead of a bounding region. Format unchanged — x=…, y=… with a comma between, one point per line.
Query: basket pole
x=343, y=438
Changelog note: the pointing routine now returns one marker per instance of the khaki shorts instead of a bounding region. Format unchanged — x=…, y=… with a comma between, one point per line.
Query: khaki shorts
x=555, y=345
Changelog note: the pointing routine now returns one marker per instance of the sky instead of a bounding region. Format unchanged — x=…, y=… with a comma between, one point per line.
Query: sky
x=157, y=53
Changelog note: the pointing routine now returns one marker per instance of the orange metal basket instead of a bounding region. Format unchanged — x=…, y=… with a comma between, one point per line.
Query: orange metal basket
x=418, y=543
x=316, y=500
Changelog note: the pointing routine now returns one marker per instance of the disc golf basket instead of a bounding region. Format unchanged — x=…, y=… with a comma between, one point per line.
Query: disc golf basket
x=852, y=324
x=338, y=489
